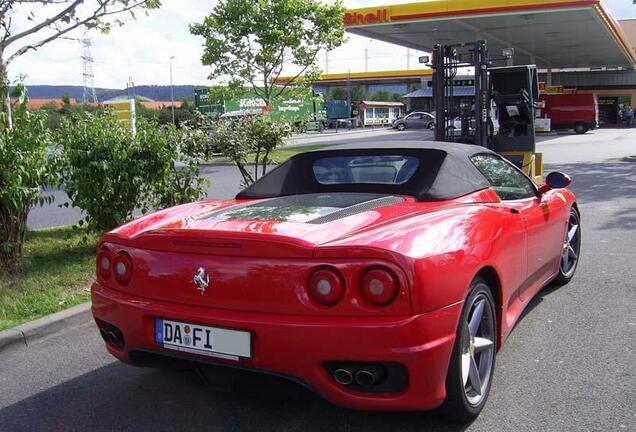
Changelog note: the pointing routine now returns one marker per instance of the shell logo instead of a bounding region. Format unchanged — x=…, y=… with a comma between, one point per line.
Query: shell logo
x=357, y=18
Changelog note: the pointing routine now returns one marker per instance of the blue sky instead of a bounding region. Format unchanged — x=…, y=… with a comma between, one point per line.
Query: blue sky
x=141, y=50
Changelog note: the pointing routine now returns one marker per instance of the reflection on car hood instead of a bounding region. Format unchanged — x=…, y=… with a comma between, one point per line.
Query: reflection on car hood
x=309, y=208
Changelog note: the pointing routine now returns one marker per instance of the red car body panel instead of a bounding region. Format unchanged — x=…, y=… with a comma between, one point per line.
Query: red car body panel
x=260, y=271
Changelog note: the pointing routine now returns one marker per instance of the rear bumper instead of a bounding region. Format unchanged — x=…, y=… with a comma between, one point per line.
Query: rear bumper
x=299, y=346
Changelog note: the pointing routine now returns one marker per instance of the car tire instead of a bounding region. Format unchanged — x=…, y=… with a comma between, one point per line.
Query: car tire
x=580, y=128
x=401, y=127
x=474, y=351
x=571, y=250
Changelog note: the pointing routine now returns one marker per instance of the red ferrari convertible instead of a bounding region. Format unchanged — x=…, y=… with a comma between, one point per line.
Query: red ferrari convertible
x=383, y=278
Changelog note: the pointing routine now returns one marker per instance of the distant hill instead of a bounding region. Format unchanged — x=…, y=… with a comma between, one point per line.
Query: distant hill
x=154, y=92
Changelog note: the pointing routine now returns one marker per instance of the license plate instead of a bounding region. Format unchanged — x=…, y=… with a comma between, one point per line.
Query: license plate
x=204, y=340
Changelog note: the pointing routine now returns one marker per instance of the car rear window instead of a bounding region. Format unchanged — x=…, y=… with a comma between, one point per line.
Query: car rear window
x=380, y=169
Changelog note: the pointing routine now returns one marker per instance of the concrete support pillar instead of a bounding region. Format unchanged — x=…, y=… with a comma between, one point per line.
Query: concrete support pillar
x=548, y=79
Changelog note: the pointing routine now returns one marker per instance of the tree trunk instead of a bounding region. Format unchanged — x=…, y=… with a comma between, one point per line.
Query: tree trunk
x=13, y=223
x=4, y=93
x=265, y=160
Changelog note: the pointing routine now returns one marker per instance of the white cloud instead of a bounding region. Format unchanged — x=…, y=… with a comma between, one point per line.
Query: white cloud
x=141, y=50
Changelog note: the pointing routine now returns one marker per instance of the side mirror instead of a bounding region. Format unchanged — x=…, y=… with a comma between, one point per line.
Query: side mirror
x=555, y=180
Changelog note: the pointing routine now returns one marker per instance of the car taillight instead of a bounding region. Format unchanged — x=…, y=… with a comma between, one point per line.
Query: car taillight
x=326, y=287
x=122, y=267
x=104, y=263
x=379, y=286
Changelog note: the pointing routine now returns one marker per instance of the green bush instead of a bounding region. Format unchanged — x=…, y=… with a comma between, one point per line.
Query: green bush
x=177, y=183
x=109, y=174
x=249, y=141
x=27, y=164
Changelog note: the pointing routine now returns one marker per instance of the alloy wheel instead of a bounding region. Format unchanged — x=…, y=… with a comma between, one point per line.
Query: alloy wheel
x=571, y=247
x=478, y=349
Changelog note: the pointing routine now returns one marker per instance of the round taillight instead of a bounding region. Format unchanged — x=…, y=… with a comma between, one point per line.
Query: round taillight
x=379, y=286
x=326, y=287
x=122, y=267
x=104, y=263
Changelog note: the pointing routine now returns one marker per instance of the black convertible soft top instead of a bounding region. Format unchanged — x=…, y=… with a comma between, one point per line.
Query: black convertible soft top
x=445, y=171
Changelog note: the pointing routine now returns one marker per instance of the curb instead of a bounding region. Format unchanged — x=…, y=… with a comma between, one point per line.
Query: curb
x=29, y=332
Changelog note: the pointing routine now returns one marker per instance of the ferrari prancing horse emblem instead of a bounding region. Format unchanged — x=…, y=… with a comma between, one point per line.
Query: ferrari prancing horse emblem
x=202, y=280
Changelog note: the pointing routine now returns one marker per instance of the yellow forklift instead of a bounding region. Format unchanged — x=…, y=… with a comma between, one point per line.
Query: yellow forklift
x=502, y=115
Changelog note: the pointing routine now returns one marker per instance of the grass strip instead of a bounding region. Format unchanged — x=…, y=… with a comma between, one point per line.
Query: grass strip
x=277, y=156
x=56, y=272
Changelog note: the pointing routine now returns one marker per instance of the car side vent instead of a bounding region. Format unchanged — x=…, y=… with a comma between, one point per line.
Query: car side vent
x=357, y=208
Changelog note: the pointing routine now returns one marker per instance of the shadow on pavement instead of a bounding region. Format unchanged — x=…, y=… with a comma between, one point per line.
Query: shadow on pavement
x=119, y=397
x=604, y=182
x=596, y=183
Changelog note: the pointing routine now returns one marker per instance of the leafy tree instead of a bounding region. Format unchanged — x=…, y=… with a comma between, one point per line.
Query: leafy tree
x=49, y=20
x=66, y=99
x=339, y=93
x=26, y=166
x=109, y=174
x=381, y=96
x=265, y=135
x=231, y=139
x=251, y=41
x=385, y=96
x=55, y=114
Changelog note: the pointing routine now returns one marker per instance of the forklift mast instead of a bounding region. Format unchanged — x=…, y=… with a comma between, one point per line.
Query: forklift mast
x=447, y=59
x=502, y=114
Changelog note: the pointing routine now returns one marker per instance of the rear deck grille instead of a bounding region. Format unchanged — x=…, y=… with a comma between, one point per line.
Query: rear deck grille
x=356, y=208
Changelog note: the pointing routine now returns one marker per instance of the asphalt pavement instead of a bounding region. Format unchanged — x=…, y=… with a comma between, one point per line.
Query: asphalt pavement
x=567, y=366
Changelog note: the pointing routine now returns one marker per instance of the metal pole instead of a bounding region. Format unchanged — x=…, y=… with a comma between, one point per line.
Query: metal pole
x=438, y=92
x=349, y=98
x=171, y=89
x=366, y=60
x=482, y=105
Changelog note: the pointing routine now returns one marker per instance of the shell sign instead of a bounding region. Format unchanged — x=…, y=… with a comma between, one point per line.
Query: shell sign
x=358, y=18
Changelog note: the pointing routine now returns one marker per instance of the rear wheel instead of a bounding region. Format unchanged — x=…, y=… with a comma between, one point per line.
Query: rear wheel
x=570, y=250
x=401, y=127
x=580, y=128
x=473, y=359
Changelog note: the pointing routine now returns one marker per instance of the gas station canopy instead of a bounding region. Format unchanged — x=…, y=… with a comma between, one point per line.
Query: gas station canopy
x=555, y=34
